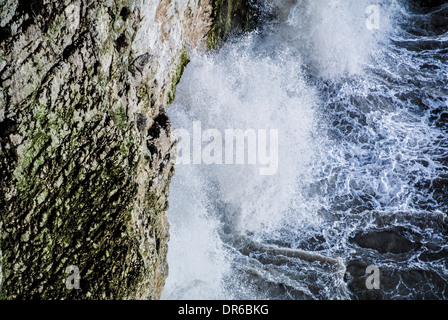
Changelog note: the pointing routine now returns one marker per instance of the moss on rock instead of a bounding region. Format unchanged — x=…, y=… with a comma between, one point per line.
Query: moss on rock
x=183, y=60
x=231, y=17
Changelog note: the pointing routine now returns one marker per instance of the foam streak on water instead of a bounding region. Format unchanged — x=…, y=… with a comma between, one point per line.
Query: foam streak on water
x=361, y=116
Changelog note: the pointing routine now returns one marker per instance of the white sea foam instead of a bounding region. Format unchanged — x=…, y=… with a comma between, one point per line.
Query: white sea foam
x=237, y=90
x=367, y=156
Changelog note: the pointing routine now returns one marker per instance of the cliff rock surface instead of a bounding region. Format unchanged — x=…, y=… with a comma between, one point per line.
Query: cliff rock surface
x=86, y=155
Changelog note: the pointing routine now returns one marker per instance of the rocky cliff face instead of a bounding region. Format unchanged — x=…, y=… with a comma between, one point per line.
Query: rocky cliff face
x=85, y=150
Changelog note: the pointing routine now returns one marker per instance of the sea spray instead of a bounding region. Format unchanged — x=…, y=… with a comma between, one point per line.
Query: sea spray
x=361, y=149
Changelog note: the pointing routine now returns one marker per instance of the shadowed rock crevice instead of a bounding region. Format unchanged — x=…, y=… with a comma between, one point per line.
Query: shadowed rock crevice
x=399, y=253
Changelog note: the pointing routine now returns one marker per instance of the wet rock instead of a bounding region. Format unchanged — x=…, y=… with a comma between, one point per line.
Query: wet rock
x=400, y=282
x=426, y=5
x=231, y=17
x=356, y=278
x=384, y=241
x=437, y=254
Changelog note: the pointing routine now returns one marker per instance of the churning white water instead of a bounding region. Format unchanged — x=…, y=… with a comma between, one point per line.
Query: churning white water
x=356, y=152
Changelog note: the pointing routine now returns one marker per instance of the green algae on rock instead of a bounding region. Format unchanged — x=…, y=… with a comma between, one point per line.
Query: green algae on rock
x=231, y=16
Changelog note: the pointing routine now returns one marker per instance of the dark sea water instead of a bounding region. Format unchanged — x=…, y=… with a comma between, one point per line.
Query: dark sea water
x=362, y=119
